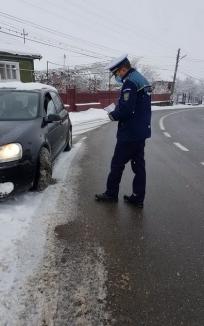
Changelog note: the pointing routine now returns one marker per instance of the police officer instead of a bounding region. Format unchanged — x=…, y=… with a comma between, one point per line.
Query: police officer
x=133, y=113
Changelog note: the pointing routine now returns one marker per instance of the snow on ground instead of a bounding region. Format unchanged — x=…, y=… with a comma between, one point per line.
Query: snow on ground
x=84, y=121
x=23, y=227
x=175, y=107
x=87, y=120
x=24, y=222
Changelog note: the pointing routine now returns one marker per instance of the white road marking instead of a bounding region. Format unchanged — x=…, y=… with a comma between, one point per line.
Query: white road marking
x=161, y=121
x=183, y=148
x=167, y=134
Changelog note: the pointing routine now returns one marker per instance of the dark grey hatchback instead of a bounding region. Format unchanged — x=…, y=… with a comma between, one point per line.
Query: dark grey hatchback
x=34, y=129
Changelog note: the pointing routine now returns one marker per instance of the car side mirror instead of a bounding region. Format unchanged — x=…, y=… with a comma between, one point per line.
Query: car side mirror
x=52, y=118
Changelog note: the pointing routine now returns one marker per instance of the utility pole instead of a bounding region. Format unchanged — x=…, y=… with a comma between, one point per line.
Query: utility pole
x=68, y=73
x=24, y=35
x=64, y=62
x=175, y=73
x=178, y=59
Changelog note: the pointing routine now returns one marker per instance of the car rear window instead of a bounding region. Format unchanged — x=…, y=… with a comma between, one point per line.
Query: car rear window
x=18, y=105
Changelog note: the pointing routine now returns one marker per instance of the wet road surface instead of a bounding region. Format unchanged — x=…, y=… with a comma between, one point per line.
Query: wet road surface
x=153, y=258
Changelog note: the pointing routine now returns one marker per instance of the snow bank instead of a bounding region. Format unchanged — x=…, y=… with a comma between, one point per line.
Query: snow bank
x=175, y=107
x=23, y=228
x=6, y=188
x=84, y=121
x=88, y=115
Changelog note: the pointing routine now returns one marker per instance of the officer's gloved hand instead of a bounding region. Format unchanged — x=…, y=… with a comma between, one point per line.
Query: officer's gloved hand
x=111, y=117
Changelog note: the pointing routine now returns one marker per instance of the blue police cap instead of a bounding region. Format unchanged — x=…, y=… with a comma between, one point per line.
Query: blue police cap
x=117, y=63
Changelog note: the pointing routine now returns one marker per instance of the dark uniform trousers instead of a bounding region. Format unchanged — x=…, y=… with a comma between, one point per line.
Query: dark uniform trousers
x=125, y=152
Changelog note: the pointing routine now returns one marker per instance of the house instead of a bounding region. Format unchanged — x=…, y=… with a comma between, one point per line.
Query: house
x=16, y=60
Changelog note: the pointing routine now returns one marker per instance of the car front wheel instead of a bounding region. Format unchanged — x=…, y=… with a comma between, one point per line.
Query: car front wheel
x=44, y=171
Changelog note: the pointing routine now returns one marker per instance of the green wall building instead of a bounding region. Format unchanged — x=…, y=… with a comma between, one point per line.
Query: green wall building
x=17, y=65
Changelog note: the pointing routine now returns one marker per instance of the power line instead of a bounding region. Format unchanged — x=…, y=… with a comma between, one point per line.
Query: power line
x=74, y=51
x=60, y=43
x=194, y=60
x=50, y=30
x=111, y=29
x=64, y=35
x=65, y=18
x=51, y=45
x=11, y=28
x=189, y=75
x=126, y=26
x=37, y=40
x=53, y=31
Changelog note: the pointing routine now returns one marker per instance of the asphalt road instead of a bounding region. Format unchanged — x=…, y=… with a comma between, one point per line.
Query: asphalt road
x=154, y=258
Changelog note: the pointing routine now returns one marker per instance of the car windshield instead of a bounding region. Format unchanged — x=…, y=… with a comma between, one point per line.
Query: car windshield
x=18, y=105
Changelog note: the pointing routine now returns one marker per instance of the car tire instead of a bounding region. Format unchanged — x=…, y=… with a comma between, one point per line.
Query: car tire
x=44, y=170
x=69, y=141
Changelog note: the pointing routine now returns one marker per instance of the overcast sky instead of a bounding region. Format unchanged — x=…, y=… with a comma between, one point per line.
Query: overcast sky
x=152, y=30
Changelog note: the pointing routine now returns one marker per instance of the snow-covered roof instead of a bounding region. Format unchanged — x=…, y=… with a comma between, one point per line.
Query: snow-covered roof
x=11, y=45
x=20, y=53
x=25, y=86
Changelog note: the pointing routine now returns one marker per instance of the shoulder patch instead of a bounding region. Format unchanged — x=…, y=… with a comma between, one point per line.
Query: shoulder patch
x=126, y=96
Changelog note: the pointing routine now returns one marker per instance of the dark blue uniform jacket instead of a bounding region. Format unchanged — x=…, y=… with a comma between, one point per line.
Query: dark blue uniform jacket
x=133, y=111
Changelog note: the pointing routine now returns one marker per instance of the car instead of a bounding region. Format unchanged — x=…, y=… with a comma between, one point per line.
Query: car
x=34, y=129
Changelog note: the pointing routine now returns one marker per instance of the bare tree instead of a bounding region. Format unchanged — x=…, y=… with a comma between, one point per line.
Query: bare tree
x=92, y=77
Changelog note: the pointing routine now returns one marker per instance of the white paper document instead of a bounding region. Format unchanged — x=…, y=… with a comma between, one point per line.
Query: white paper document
x=110, y=108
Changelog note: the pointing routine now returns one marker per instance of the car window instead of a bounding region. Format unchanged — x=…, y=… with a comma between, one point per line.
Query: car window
x=57, y=101
x=18, y=105
x=49, y=105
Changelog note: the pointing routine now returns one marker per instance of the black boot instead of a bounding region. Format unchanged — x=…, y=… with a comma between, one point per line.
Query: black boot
x=133, y=201
x=106, y=198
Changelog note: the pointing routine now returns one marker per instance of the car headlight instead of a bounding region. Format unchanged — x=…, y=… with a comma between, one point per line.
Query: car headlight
x=10, y=152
